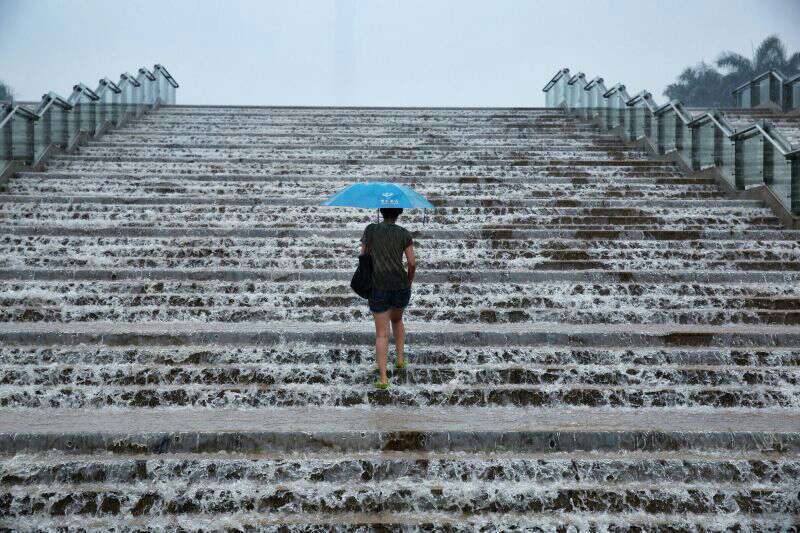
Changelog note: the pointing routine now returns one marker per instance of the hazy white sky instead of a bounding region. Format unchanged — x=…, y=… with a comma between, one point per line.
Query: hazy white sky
x=375, y=52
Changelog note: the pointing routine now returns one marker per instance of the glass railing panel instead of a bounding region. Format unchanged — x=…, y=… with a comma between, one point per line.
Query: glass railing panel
x=22, y=139
x=725, y=156
x=42, y=133
x=704, y=148
x=138, y=96
x=745, y=96
x=635, y=122
x=5, y=141
x=59, y=125
x=115, y=109
x=668, y=141
x=751, y=161
x=84, y=117
x=683, y=141
x=650, y=127
x=763, y=91
x=796, y=95
x=781, y=170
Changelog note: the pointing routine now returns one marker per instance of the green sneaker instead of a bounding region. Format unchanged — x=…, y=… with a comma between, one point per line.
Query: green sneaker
x=399, y=366
x=381, y=386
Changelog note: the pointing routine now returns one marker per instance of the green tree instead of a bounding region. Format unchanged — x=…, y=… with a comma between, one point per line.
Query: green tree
x=705, y=86
x=770, y=55
x=5, y=92
x=698, y=86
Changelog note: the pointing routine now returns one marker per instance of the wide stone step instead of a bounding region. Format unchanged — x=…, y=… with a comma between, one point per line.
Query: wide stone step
x=63, y=192
x=373, y=168
x=444, y=429
x=258, y=395
x=429, y=121
x=364, y=467
x=560, y=191
x=156, y=499
x=444, y=153
x=196, y=252
x=132, y=140
x=382, y=111
x=342, y=355
x=267, y=374
x=364, y=128
x=265, y=216
x=415, y=521
x=253, y=300
x=157, y=256
x=351, y=137
x=28, y=305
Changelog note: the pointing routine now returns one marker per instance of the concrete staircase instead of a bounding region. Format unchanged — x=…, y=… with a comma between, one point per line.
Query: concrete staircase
x=596, y=339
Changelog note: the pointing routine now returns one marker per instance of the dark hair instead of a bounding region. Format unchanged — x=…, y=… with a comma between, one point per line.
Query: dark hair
x=391, y=213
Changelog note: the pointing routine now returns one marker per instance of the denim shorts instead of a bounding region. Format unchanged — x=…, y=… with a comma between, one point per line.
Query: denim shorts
x=382, y=301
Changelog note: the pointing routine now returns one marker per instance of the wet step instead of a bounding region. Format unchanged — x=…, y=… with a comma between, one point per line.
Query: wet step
x=266, y=216
x=516, y=155
x=342, y=355
x=271, y=375
x=463, y=121
x=293, y=257
x=453, y=129
x=442, y=429
x=144, y=139
x=566, y=192
x=160, y=193
x=489, y=234
x=291, y=111
x=369, y=168
x=258, y=395
x=157, y=499
x=417, y=521
x=333, y=301
x=364, y=467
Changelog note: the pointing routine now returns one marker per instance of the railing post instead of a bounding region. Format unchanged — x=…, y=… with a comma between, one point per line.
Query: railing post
x=5, y=142
x=30, y=138
x=632, y=123
x=695, y=133
x=678, y=132
x=65, y=127
x=77, y=119
x=648, y=123
x=795, y=190
x=718, y=146
x=738, y=164
x=660, y=127
x=47, y=127
x=767, y=161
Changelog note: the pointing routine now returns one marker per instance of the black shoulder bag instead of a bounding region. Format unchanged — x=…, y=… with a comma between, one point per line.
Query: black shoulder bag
x=362, y=279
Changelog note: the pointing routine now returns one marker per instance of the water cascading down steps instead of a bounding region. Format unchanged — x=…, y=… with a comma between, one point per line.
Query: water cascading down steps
x=596, y=338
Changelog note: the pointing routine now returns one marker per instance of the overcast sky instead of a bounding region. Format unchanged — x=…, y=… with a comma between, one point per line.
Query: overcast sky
x=375, y=52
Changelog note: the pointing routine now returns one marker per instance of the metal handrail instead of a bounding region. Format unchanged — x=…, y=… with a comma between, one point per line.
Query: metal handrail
x=642, y=118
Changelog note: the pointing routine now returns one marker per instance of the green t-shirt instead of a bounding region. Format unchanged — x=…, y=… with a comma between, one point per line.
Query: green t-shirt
x=386, y=242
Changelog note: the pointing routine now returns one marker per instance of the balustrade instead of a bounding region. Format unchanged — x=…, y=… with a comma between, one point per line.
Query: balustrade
x=26, y=134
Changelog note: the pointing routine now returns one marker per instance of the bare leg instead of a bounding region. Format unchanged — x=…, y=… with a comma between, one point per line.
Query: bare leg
x=381, y=342
x=399, y=332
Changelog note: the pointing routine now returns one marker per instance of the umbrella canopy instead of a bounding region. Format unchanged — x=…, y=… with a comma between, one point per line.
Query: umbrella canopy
x=377, y=195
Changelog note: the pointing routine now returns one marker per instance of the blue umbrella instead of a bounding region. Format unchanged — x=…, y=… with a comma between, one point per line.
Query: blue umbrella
x=377, y=195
